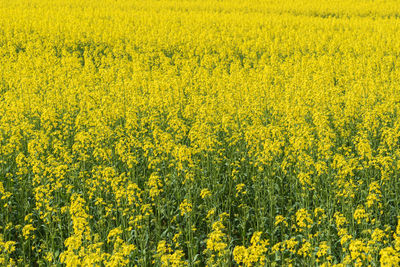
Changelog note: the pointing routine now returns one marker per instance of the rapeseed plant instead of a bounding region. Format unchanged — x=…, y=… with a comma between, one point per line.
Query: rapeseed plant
x=194, y=133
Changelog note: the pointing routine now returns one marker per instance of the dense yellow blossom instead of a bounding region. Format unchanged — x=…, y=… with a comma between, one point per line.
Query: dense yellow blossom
x=168, y=257
x=199, y=132
x=205, y=193
x=185, y=207
x=255, y=254
x=27, y=230
x=303, y=219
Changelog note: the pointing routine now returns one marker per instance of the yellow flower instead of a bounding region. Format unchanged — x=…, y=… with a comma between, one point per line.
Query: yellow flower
x=239, y=189
x=27, y=230
x=205, y=193
x=360, y=215
x=280, y=219
x=185, y=207
x=210, y=213
x=389, y=257
x=291, y=244
x=305, y=250
x=240, y=254
x=303, y=219
x=49, y=257
x=168, y=257
x=323, y=249
x=113, y=233
x=254, y=254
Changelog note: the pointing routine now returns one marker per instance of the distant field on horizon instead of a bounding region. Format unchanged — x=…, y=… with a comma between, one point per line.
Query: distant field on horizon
x=199, y=133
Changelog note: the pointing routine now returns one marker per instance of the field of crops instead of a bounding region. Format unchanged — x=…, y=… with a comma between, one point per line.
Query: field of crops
x=199, y=133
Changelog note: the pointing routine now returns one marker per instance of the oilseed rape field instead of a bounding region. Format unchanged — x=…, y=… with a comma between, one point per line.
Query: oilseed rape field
x=199, y=133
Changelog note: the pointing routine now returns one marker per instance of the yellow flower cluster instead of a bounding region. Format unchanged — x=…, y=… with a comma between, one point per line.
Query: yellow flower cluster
x=255, y=254
x=84, y=249
x=217, y=244
x=168, y=257
x=6, y=248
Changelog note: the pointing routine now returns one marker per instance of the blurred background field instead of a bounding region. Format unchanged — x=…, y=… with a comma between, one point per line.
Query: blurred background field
x=199, y=133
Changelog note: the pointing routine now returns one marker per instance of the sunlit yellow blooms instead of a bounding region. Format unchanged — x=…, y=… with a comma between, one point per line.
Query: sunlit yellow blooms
x=199, y=133
x=4, y=194
x=168, y=257
x=396, y=235
x=303, y=219
x=277, y=247
x=344, y=236
x=360, y=215
x=240, y=254
x=291, y=245
x=216, y=244
x=176, y=238
x=155, y=185
x=6, y=248
x=389, y=257
x=185, y=207
x=205, y=193
x=305, y=250
x=239, y=188
x=378, y=235
x=254, y=255
x=319, y=214
x=49, y=257
x=280, y=219
x=113, y=233
x=216, y=241
x=78, y=249
x=121, y=250
x=358, y=251
x=340, y=219
x=323, y=249
x=210, y=213
x=27, y=230
x=374, y=195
